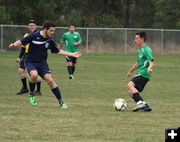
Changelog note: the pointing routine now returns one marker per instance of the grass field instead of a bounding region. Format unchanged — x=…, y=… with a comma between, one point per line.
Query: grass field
x=90, y=116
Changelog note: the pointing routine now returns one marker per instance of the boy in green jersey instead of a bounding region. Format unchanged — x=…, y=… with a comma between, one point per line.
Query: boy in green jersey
x=72, y=40
x=144, y=65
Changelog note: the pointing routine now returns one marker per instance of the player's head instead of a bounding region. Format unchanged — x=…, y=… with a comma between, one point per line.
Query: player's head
x=49, y=28
x=71, y=29
x=31, y=25
x=140, y=38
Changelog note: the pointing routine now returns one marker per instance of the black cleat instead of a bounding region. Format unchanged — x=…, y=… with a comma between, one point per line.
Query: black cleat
x=147, y=108
x=22, y=91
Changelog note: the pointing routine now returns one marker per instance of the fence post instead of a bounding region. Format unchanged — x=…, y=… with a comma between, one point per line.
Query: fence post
x=87, y=41
x=125, y=41
x=162, y=43
x=1, y=37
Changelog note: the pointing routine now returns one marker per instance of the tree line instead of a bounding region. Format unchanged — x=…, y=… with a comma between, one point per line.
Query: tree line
x=94, y=13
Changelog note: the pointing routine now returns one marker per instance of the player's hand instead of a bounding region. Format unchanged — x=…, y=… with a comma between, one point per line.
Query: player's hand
x=77, y=54
x=128, y=75
x=18, y=60
x=11, y=45
x=149, y=70
x=75, y=43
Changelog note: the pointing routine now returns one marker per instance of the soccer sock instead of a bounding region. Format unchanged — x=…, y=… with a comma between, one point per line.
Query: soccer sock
x=38, y=82
x=70, y=70
x=23, y=80
x=57, y=93
x=73, y=69
x=137, y=97
x=31, y=88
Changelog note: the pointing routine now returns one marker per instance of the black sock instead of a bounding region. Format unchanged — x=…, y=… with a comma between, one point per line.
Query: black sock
x=73, y=69
x=31, y=88
x=23, y=80
x=70, y=70
x=57, y=93
x=137, y=97
x=38, y=82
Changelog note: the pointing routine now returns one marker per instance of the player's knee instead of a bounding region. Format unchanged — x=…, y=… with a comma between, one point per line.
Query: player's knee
x=33, y=76
x=129, y=85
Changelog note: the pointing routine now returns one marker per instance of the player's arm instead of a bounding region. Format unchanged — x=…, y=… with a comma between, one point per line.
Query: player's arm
x=131, y=70
x=64, y=53
x=150, y=58
x=77, y=43
x=79, y=40
x=150, y=68
x=21, y=42
x=15, y=44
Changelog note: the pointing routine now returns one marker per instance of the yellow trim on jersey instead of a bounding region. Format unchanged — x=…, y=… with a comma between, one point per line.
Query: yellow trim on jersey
x=27, y=45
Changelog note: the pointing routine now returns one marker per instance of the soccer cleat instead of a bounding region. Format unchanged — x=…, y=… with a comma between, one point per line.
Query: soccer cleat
x=147, y=108
x=71, y=76
x=33, y=100
x=37, y=93
x=22, y=91
x=140, y=106
x=64, y=106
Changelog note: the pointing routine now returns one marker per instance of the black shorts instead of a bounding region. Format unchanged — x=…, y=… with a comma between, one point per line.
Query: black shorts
x=71, y=59
x=21, y=64
x=139, y=82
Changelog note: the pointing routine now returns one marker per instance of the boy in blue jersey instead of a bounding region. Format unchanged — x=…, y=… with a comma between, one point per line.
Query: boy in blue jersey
x=144, y=66
x=35, y=62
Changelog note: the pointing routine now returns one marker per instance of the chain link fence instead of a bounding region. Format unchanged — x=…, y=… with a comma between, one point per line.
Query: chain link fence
x=104, y=40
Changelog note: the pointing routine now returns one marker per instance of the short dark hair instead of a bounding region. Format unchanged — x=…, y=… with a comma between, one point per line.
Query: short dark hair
x=47, y=24
x=31, y=21
x=142, y=35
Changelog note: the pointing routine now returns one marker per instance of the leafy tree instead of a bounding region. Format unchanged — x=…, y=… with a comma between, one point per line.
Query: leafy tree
x=4, y=16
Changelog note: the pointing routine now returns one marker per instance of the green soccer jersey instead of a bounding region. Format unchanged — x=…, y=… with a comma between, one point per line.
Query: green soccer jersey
x=144, y=55
x=69, y=39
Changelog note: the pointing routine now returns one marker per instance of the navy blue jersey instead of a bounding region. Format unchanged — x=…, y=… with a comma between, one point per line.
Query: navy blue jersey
x=38, y=47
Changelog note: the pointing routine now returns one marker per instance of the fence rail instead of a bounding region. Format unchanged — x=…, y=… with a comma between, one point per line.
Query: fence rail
x=104, y=40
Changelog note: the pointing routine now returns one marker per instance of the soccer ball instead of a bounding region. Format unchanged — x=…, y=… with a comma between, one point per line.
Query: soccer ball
x=119, y=104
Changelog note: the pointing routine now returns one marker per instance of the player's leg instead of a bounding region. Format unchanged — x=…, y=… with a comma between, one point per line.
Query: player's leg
x=21, y=71
x=74, y=61
x=33, y=75
x=56, y=91
x=69, y=67
x=73, y=67
x=32, y=82
x=135, y=86
x=38, y=83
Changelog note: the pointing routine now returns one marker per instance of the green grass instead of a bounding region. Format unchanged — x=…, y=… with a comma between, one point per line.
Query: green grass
x=100, y=79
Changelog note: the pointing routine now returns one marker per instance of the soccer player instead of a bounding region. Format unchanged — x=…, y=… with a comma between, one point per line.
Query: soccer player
x=144, y=66
x=35, y=61
x=72, y=40
x=21, y=70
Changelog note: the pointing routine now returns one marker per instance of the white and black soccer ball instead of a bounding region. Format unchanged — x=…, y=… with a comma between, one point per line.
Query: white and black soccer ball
x=120, y=104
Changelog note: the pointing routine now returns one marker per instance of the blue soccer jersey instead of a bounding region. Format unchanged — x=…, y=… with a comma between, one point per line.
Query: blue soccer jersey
x=38, y=46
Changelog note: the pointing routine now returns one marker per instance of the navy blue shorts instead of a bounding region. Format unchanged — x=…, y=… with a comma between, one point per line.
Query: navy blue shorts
x=41, y=68
x=71, y=59
x=140, y=82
